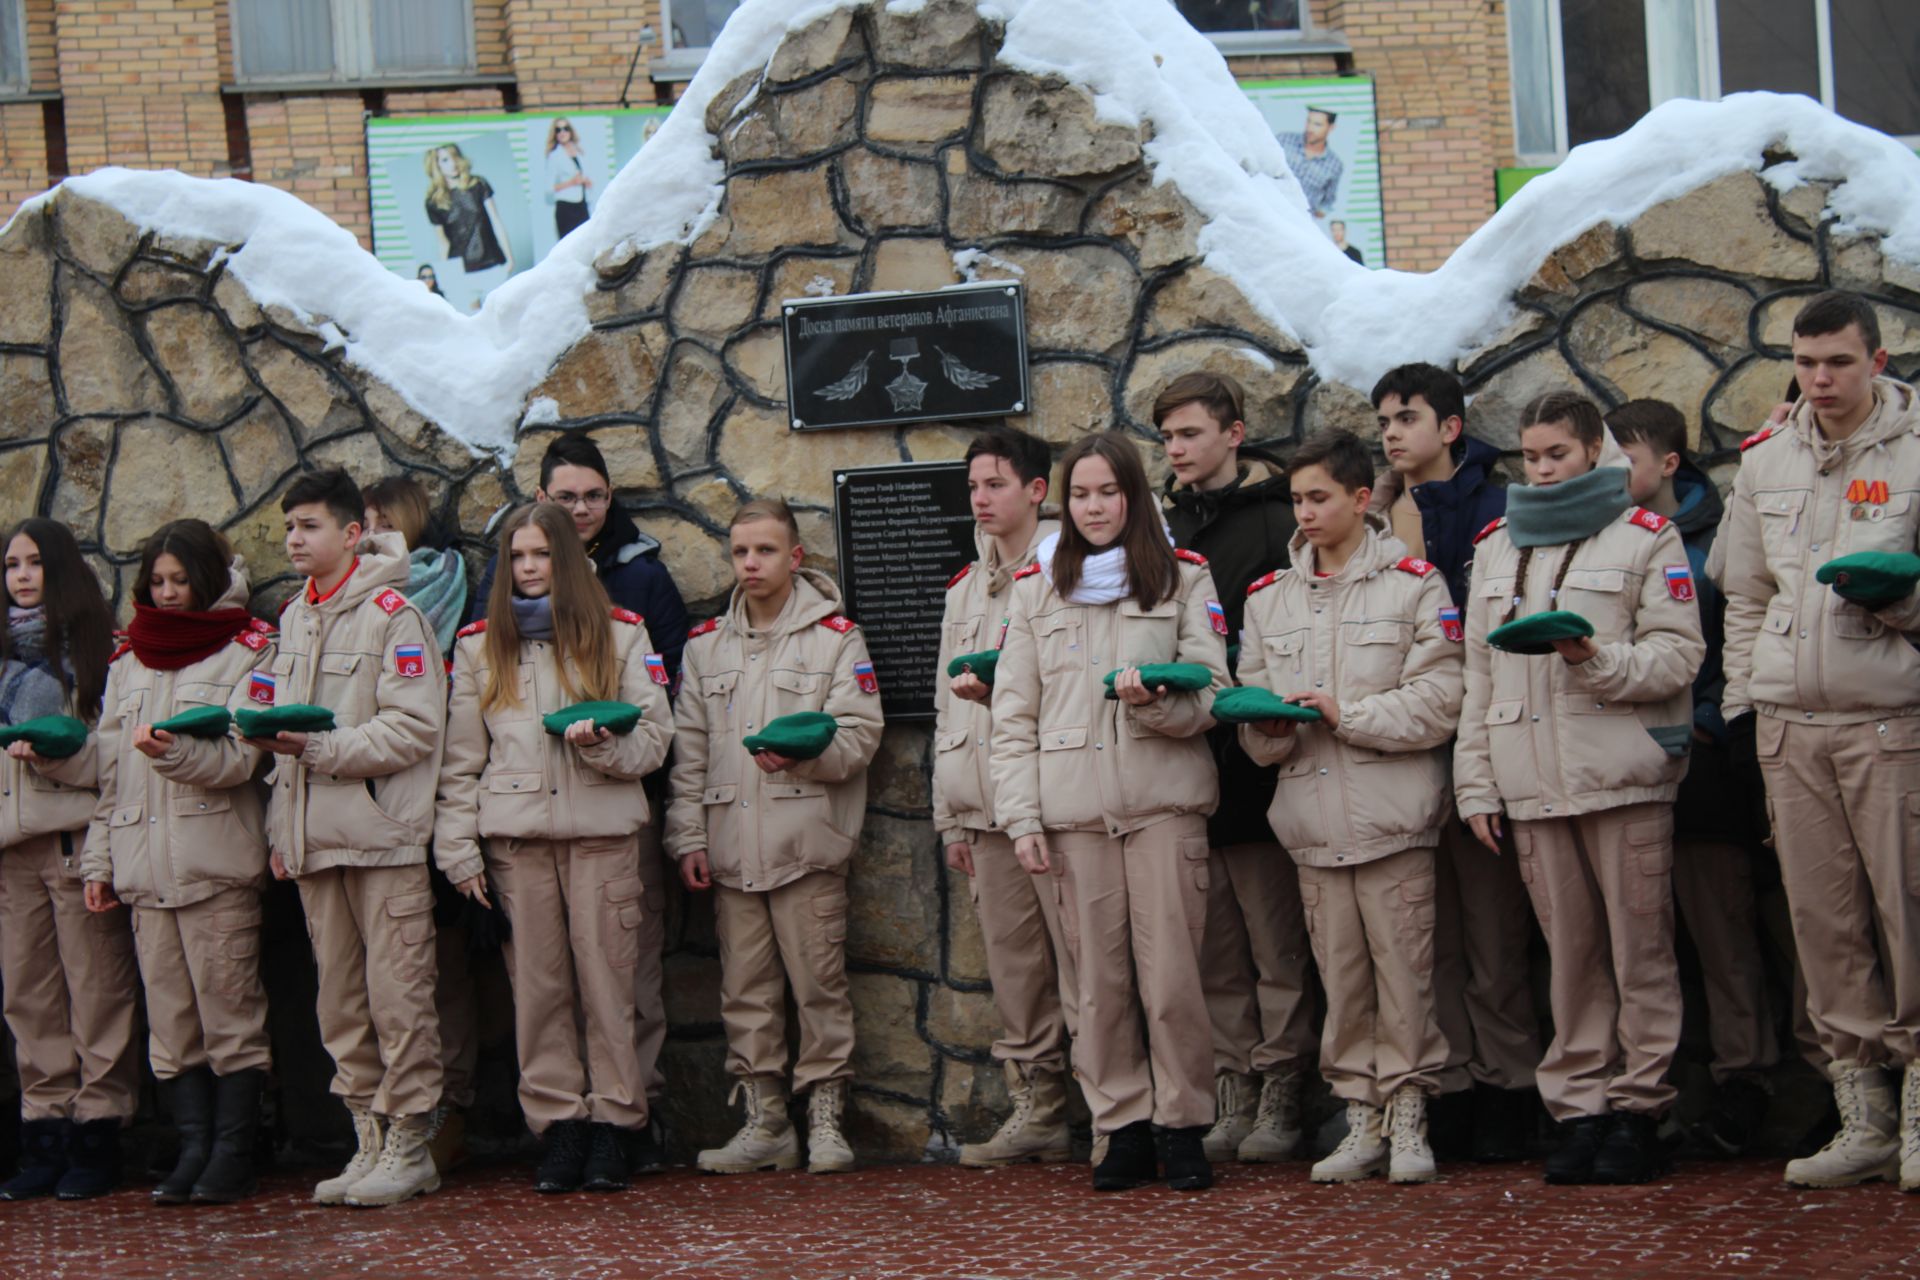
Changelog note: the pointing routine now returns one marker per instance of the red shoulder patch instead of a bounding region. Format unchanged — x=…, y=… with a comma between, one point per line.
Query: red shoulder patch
x=1027, y=572
x=627, y=616
x=710, y=625
x=288, y=602
x=1651, y=521
x=1480, y=537
x=1416, y=566
x=390, y=601
x=1262, y=582
x=471, y=629
x=837, y=622
x=1759, y=437
x=959, y=577
x=254, y=640
x=1191, y=557
x=126, y=647
x=261, y=624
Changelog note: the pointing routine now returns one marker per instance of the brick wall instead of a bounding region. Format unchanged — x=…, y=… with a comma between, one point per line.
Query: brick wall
x=572, y=53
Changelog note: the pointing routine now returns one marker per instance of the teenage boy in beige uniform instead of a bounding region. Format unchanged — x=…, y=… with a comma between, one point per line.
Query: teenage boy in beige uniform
x=1827, y=680
x=1027, y=958
x=350, y=815
x=772, y=834
x=1357, y=630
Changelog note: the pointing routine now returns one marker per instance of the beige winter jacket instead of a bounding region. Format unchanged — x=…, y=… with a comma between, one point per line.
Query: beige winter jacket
x=362, y=793
x=505, y=776
x=1068, y=758
x=1543, y=739
x=46, y=796
x=1794, y=649
x=1381, y=636
x=178, y=830
x=977, y=608
x=761, y=830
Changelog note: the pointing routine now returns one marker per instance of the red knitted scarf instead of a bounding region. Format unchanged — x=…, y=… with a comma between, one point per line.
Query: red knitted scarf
x=169, y=639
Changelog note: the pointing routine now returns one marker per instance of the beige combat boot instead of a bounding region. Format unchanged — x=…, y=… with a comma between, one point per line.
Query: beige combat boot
x=1037, y=1129
x=827, y=1149
x=405, y=1168
x=765, y=1141
x=1867, y=1146
x=1362, y=1153
x=369, y=1133
x=1234, y=1101
x=1910, y=1129
x=1409, y=1158
x=1276, y=1123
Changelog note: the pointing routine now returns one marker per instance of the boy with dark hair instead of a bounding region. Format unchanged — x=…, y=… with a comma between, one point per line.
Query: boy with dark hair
x=1027, y=956
x=1364, y=793
x=1823, y=686
x=350, y=816
x=771, y=826
x=1438, y=493
x=1230, y=503
x=1712, y=863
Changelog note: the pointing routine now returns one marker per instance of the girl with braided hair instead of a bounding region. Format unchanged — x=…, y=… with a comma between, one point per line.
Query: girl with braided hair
x=1583, y=748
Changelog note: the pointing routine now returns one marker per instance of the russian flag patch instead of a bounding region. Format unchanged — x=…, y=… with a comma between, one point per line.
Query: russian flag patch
x=1217, y=617
x=656, y=668
x=410, y=660
x=864, y=677
x=1679, y=581
x=260, y=689
x=1450, y=624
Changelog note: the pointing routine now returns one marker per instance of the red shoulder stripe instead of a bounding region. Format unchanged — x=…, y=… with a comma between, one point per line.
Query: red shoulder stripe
x=126, y=647
x=1481, y=536
x=1262, y=582
x=1651, y=521
x=1759, y=437
x=957, y=578
x=261, y=624
x=471, y=629
x=627, y=615
x=1027, y=572
x=711, y=624
x=390, y=601
x=1191, y=557
x=254, y=640
x=837, y=622
x=1416, y=566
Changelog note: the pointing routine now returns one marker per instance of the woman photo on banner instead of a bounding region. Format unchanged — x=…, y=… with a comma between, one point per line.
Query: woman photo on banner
x=461, y=204
x=567, y=177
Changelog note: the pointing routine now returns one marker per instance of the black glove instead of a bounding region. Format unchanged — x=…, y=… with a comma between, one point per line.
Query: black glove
x=1742, y=750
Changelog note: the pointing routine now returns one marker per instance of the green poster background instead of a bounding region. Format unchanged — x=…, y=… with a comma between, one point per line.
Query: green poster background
x=1355, y=139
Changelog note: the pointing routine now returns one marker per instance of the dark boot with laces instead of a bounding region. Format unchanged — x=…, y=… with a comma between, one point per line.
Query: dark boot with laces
x=1130, y=1160
x=1183, y=1158
x=563, y=1159
x=606, y=1166
x=1580, y=1143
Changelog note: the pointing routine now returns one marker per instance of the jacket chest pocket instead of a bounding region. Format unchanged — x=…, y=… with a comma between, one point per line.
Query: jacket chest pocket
x=1060, y=641
x=718, y=690
x=964, y=636
x=335, y=686
x=201, y=804
x=1780, y=511
x=1286, y=653
x=1598, y=595
x=202, y=693
x=126, y=830
x=1881, y=526
x=1149, y=635
x=1374, y=652
x=797, y=691
x=525, y=692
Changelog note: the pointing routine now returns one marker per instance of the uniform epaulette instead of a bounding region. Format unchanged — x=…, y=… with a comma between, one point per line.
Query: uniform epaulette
x=126, y=647
x=1191, y=557
x=710, y=625
x=261, y=624
x=471, y=629
x=959, y=577
x=253, y=638
x=627, y=615
x=1481, y=536
x=287, y=603
x=1263, y=581
x=390, y=602
x=1651, y=521
x=1416, y=566
x=1761, y=436
x=837, y=622
x=1027, y=572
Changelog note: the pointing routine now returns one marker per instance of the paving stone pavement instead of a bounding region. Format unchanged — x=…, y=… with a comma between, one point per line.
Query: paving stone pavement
x=1033, y=1223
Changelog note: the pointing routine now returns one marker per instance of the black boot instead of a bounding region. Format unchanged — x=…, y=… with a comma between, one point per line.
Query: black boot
x=189, y=1096
x=1502, y=1123
x=43, y=1159
x=563, y=1161
x=1184, y=1159
x=93, y=1160
x=1740, y=1108
x=1580, y=1143
x=606, y=1167
x=1632, y=1153
x=646, y=1152
x=1453, y=1124
x=229, y=1175
x=1130, y=1161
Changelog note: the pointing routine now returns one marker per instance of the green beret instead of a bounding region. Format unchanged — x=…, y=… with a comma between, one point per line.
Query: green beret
x=981, y=664
x=1181, y=677
x=614, y=717
x=1873, y=579
x=802, y=735
x=55, y=737
x=1535, y=633
x=1246, y=705
x=199, y=722
x=297, y=717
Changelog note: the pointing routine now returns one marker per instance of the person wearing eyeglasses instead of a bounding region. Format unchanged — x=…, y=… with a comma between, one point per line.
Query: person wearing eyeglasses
x=567, y=179
x=573, y=474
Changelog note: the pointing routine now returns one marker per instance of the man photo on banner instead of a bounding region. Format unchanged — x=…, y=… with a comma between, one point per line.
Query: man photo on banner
x=1314, y=161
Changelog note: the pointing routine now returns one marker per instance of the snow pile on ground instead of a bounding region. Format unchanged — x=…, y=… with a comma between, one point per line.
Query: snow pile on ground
x=1144, y=64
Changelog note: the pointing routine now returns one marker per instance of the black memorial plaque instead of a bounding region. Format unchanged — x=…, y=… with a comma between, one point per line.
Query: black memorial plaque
x=903, y=531
x=881, y=359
